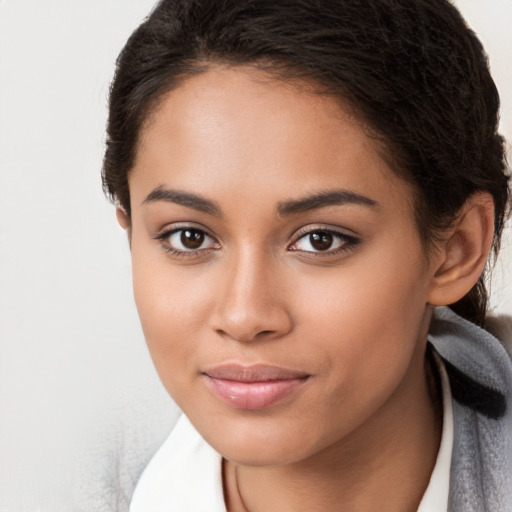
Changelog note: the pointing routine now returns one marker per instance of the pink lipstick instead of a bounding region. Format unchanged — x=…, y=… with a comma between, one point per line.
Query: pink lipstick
x=253, y=387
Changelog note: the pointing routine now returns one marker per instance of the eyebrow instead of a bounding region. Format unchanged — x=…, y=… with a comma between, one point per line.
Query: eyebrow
x=284, y=208
x=187, y=199
x=322, y=200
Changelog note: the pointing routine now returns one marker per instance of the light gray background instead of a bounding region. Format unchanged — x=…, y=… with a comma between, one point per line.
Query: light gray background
x=73, y=365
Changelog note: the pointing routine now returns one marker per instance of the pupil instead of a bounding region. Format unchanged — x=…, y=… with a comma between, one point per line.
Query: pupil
x=192, y=238
x=321, y=241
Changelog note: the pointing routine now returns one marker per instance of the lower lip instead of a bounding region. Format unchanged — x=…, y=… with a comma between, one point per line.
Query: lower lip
x=253, y=395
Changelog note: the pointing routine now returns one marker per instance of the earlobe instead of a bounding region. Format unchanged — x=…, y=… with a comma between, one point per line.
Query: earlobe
x=463, y=255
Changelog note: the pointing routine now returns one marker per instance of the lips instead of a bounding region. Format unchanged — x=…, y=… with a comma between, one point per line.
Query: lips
x=253, y=387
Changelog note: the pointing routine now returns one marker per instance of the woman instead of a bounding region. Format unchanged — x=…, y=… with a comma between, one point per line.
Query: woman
x=303, y=183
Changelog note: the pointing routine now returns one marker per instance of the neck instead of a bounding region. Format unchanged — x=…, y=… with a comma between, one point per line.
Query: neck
x=384, y=465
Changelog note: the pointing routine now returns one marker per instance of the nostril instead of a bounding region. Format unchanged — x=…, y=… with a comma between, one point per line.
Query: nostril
x=263, y=333
x=246, y=336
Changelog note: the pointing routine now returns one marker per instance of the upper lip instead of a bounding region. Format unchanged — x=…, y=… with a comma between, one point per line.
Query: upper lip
x=253, y=373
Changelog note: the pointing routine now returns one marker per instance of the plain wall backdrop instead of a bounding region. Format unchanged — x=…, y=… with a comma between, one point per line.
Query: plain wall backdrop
x=73, y=364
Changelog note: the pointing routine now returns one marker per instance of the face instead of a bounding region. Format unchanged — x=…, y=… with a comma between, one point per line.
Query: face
x=278, y=271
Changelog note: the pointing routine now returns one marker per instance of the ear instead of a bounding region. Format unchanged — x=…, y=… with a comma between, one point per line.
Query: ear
x=124, y=221
x=122, y=217
x=462, y=256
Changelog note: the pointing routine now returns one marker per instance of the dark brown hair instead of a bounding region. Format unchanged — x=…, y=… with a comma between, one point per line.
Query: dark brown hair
x=414, y=72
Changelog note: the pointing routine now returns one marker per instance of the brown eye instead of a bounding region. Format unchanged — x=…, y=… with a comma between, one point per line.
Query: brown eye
x=188, y=240
x=192, y=238
x=321, y=241
x=326, y=241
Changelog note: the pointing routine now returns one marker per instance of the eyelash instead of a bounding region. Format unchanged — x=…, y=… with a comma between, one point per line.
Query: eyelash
x=347, y=242
x=177, y=253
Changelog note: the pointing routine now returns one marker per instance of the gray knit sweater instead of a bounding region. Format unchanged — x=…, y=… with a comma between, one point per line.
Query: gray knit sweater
x=480, y=372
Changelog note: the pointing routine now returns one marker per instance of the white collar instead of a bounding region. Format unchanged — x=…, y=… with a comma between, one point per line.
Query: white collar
x=435, y=498
x=186, y=473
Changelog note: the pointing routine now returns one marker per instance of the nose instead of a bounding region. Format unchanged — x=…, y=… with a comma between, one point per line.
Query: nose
x=251, y=304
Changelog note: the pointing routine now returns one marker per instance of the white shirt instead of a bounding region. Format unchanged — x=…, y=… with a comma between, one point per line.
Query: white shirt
x=435, y=498
x=185, y=475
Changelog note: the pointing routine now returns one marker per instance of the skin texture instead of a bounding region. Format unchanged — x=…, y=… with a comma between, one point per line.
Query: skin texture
x=353, y=318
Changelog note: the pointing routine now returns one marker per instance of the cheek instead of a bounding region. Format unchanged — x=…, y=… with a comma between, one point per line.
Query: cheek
x=173, y=305
x=371, y=289
x=367, y=317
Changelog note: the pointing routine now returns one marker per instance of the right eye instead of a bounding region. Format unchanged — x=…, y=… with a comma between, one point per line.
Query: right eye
x=188, y=239
x=184, y=241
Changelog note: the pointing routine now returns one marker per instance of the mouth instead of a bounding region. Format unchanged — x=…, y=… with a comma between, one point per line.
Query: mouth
x=253, y=387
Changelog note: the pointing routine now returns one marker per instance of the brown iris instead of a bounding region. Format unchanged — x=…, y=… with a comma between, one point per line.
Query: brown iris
x=321, y=240
x=192, y=238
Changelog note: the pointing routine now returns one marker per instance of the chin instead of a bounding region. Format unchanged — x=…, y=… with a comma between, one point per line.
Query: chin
x=259, y=446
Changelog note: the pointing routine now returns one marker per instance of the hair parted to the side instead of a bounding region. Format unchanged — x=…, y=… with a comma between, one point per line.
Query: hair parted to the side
x=413, y=71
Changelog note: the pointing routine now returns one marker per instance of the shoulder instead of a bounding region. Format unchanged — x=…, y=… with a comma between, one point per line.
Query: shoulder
x=477, y=361
x=500, y=326
x=480, y=374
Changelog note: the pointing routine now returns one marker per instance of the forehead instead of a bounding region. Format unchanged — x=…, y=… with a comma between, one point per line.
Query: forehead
x=243, y=130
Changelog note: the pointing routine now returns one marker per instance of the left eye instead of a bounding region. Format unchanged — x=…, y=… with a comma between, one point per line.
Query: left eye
x=189, y=239
x=321, y=241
